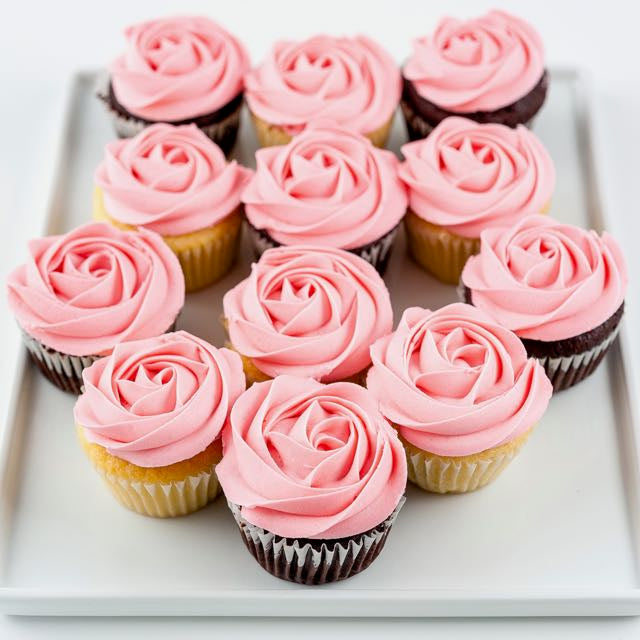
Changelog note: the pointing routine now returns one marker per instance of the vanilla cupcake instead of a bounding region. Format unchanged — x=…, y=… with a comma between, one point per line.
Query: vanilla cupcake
x=461, y=392
x=150, y=419
x=314, y=477
x=175, y=181
x=489, y=69
x=80, y=294
x=330, y=187
x=560, y=288
x=180, y=70
x=465, y=178
x=351, y=81
x=307, y=311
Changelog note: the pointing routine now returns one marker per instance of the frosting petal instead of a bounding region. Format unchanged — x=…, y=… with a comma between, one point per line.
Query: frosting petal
x=178, y=68
x=307, y=460
x=352, y=81
x=455, y=382
x=83, y=292
x=467, y=176
x=328, y=186
x=173, y=180
x=159, y=401
x=546, y=280
x=308, y=311
x=482, y=64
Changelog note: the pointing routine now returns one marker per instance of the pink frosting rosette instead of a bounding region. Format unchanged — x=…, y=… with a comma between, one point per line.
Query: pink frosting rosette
x=455, y=382
x=482, y=64
x=159, y=401
x=328, y=186
x=83, y=292
x=173, y=180
x=352, y=81
x=308, y=311
x=178, y=68
x=546, y=280
x=307, y=460
x=467, y=176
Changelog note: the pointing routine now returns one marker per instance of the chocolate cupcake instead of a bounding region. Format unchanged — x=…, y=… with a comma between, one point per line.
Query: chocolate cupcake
x=314, y=476
x=80, y=294
x=329, y=187
x=181, y=70
x=560, y=288
x=489, y=69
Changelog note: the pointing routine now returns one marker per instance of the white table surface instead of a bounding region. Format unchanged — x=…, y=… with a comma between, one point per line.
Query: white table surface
x=42, y=44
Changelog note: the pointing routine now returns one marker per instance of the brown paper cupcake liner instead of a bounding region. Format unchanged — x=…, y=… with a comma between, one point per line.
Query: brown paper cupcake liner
x=448, y=474
x=223, y=132
x=437, y=250
x=270, y=135
x=313, y=562
x=376, y=253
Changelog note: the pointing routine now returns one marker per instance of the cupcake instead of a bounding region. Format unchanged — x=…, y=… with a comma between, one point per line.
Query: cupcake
x=467, y=177
x=351, y=81
x=461, y=392
x=328, y=187
x=181, y=70
x=175, y=181
x=150, y=419
x=314, y=477
x=81, y=293
x=489, y=69
x=560, y=288
x=307, y=311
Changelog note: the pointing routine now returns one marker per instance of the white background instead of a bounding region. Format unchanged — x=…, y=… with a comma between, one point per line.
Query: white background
x=42, y=43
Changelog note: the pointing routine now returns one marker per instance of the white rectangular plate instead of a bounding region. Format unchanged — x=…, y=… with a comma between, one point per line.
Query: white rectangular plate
x=556, y=534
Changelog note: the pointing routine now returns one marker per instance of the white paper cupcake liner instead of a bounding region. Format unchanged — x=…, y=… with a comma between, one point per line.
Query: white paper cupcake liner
x=304, y=563
x=164, y=500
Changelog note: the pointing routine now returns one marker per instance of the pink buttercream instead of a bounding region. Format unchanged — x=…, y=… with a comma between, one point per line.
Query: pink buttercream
x=309, y=311
x=467, y=176
x=455, y=382
x=477, y=65
x=328, y=186
x=159, y=401
x=307, y=460
x=352, y=81
x=83, y=292
x=546, y=280
x=173, y=180
x=178, y=68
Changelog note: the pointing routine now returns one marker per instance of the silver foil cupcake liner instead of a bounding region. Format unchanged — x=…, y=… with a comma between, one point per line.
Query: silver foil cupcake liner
x=313, y=562
x=376, y=253
x=566, y=371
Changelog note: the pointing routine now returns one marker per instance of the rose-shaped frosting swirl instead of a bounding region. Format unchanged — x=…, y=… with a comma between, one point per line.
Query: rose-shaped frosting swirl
x=467, y=176
x=328, y=186
x=307, y=460
x=352, y=81
x=173, y=180
x=477, y=65
x=546, y=280
x=159, y=401
x=178, y=68
x=308, y=311
x=455, y=382
x=83, y=292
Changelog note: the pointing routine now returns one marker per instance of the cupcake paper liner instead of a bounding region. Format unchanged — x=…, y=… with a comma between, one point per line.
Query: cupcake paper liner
x=64, y=370
x=270, y=135
x=376, y=253
x=223, y=132
x=439, y=251
x=313, y=564
x=443, y=474
x=566, y=371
